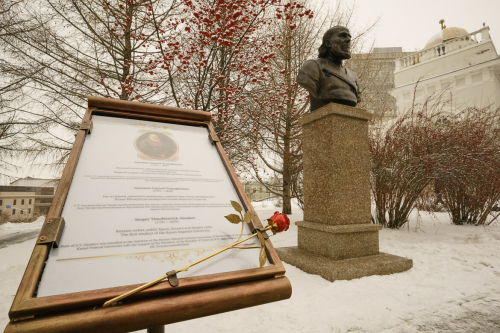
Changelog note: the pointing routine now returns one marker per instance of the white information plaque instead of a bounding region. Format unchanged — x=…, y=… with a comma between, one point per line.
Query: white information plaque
x=146, y=198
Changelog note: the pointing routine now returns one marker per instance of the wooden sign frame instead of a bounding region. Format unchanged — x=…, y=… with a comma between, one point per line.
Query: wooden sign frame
x=159, y=305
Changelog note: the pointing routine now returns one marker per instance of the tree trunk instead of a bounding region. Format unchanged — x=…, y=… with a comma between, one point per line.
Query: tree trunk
x=287, y=175
x=127, y=53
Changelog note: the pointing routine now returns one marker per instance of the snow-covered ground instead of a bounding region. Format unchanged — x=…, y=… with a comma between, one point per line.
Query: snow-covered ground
x=454, y=285
x=13, y=233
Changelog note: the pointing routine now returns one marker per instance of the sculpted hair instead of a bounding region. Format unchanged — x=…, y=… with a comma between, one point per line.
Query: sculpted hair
x=323, y=50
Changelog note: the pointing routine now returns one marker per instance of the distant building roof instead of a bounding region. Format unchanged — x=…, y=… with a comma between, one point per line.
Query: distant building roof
x=387, y=49
x=29, y=181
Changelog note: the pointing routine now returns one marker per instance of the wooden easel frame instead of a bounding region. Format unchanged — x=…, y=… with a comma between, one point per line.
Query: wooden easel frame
x=159, y=305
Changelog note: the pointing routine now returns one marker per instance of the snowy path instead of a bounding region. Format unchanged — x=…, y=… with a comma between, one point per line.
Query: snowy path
x=454, y=286
x=17, y=238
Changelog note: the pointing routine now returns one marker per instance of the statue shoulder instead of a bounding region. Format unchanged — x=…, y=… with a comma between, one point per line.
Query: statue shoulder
x=310, y=70
x=309, y=76
x=311, y=65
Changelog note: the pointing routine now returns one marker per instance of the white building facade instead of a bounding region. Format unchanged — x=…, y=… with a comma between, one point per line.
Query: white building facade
x=463, y=67
x=26, y=198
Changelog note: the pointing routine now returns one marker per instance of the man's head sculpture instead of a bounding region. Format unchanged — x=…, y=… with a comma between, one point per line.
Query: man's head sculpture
x=326, y=79
x=336, y=44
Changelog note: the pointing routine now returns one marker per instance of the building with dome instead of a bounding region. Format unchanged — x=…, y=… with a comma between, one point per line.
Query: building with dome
x=463, y=66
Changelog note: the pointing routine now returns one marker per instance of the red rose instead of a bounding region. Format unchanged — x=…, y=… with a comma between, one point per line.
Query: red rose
x=280, y=222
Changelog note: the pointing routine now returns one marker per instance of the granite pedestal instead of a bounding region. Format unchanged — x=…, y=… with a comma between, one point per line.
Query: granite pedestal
x=337, y=239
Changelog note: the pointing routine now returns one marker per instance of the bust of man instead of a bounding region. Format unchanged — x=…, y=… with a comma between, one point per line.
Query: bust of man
x=326, y=79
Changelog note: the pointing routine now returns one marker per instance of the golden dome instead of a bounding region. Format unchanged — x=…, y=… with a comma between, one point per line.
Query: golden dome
x=445, y=35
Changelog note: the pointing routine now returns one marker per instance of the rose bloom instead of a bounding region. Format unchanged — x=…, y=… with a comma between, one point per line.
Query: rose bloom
x=280, y=222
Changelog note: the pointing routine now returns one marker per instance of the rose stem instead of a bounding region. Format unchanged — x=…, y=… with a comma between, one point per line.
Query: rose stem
x=241, y=233
x=185, y=268
x=242, y=226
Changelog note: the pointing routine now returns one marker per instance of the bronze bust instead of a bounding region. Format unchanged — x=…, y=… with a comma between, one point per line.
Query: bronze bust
x=326, y=79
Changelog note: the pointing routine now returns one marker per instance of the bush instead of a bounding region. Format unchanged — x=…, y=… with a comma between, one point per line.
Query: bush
x=402, y=158
x=457, y=154
x=470, y=179
x=4, y=218
x=430, y=200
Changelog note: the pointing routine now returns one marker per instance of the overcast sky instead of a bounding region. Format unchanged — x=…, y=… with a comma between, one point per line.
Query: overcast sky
x=410, y=24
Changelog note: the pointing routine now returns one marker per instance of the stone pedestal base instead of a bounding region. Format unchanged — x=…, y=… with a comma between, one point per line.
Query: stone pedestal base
x=339, y=242
x=348, y=269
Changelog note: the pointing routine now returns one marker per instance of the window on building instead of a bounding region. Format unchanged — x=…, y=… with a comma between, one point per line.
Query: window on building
x=431, y=89
x=477, y=77
x=21, y=212
x=419, y=93
x=15, y=202
x=47, y=191
x=445, y=84
x=22, y=201
x=13, y=212
x=1, y=202
x=461, y=82
x=29, y=210
x=30, y=202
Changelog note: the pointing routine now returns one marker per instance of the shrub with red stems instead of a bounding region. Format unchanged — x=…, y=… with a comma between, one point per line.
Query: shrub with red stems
x=455, y=153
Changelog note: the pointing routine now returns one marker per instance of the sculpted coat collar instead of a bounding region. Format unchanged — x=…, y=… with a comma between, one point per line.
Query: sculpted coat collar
x=343, y=73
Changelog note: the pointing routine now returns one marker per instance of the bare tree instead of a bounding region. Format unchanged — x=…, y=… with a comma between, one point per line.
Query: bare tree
x=59, y=52
x=191, y=53
x=10, y=125
x=274, y=142
x=9, y=146
x=274, y=135
x=220, y=60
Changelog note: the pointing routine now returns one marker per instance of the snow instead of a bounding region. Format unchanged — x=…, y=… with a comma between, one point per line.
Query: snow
x=8, y=229
x=13, y=261
x=437, y=37
x=454, y=285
